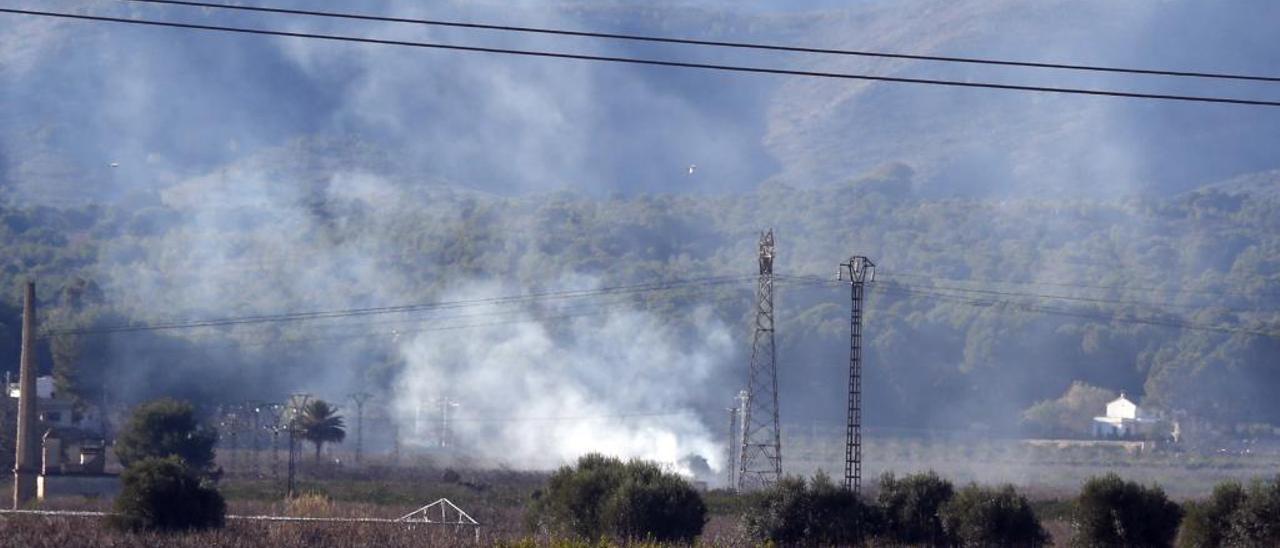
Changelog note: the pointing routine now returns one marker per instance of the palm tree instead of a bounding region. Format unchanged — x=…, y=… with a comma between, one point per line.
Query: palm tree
x=320, y=423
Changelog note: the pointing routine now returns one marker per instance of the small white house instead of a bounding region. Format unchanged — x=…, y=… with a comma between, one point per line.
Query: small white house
x=1124, y=419
x=52, y=408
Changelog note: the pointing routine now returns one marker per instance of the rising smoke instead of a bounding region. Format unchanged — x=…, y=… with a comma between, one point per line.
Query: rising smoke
x=231, y=216
x=545, y=391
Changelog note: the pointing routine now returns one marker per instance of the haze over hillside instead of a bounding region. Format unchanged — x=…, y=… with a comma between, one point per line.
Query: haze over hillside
x=256, y=176
x=504, y=124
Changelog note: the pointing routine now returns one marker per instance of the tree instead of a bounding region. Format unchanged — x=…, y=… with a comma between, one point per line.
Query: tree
x=1112, y=512
x=320, y=423
x=817, y=512
x=912, y=507
x=1207, y=523
x=166, y=494
x=603, y=496
x=983, y=516
x=1257, y=520
x=1070, y=414
x=164, y=428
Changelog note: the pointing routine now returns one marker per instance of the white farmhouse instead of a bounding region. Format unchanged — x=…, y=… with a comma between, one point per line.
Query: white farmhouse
x=1124, y=419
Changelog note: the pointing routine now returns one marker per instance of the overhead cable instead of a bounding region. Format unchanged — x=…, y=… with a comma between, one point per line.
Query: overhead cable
x=716, y=43
x=659, y=62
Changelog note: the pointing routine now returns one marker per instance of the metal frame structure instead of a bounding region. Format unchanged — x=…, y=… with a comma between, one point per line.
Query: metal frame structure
x=426, y=513
x=861, y=271
x=360, y=398
x=297, y=402
x=731, y=451
x=761, y=456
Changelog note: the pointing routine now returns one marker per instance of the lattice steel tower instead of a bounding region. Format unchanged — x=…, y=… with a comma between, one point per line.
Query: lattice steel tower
x=761, y=457
x=861, y=271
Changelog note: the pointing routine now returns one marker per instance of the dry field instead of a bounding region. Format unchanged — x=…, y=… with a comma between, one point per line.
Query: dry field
x=497, y=497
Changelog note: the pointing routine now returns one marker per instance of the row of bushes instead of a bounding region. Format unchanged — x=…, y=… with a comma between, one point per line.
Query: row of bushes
x=919, y=509
x=606, y=497
x=168, y=485
x=1234, y=516
x=924, y=509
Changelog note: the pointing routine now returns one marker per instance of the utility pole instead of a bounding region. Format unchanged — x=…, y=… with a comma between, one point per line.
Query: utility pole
x=761, y=457
x=27, y=460
x=860, y=271
x=360, y=398
x=731, y=455
x=296, y=402
x=256, y=408
x=278, y=417
x=445, y=427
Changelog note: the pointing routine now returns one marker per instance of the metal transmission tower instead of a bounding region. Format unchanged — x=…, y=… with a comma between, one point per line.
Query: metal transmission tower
x=297, y=403
x=861, y=271
x=761, y=457
x=360, y=398
x=731, y=452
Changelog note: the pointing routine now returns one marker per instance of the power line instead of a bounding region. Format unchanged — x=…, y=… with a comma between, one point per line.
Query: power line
x=988, y=302
x=719, y=43
x=568, y=314
x=437, y=305
x=1094, y=300
x=1049, y=296
x=507, y=419
x=1084, y=315
x=662, y=63
x=1123, y=288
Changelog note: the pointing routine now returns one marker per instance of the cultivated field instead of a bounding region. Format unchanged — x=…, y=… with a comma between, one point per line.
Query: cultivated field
x=497, y=497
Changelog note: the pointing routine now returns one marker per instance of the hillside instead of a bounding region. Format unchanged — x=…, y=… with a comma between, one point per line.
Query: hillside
x=944, y=357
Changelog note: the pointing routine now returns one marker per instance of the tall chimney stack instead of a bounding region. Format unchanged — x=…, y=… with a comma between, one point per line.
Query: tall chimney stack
x=27, y=460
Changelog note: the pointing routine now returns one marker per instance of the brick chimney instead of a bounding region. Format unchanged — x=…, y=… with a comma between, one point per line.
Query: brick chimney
x=27, y=460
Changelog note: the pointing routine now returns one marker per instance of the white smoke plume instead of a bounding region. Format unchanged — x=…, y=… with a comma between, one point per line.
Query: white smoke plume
x=541, y=392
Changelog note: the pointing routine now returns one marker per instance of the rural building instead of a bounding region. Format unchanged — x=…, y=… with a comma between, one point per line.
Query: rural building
x=72, y=451
x=74, y=464
x=1124, y=419
x=53, y=409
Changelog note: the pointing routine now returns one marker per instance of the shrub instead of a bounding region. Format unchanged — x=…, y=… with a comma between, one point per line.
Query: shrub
x=1114, y=512
x=983, y=516
x=912, y=507
x=1256, y=522
x=310, y=505
x=165, y=494
x=650, y=503
x=163, y=428
x=603, y=496
x=1207, y=523
x=793, y=512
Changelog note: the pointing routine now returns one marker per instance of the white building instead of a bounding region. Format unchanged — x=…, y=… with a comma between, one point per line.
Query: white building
x=54, y=410
x=1124, y=419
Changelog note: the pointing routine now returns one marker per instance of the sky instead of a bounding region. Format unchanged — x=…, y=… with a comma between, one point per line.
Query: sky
x=516, y=125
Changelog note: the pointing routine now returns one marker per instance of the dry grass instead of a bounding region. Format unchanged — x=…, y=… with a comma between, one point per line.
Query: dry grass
x=59, y=532
x=310, y=505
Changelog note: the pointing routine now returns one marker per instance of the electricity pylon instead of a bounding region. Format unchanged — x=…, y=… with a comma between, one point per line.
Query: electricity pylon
x=860, y=271
x=761, y=456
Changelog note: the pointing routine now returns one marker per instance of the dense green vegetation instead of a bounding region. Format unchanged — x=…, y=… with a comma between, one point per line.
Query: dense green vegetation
x=1113, y=512
x=916, y=510
x=167, y=428
x=604, y=497
x=814, y=512
x=167, y=494
x=1234, y=516
x=986, y=516
x=320, y=423
x=1145, y=268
